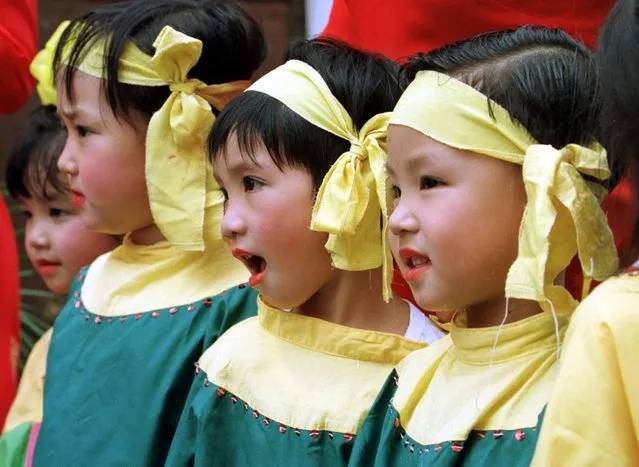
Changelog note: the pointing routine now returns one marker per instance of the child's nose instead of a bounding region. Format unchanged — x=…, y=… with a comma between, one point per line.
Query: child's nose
x=402, y=220
x=66, y=162
x=233, y=223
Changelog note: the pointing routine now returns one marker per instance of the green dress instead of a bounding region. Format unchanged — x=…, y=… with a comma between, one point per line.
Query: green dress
x=116, y=385
x=464, y=401
x=284, y=389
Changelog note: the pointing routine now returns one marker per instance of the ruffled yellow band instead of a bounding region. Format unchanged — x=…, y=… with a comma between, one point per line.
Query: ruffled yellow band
x=562, y=217
x=351, y=203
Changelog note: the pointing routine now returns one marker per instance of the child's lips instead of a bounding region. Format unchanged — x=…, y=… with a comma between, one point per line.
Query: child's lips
x=78, y=198
x=47, y=268
x=255, y=264
x=416, y=262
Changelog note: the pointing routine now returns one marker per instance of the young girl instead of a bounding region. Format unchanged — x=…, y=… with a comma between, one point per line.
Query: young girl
x=476, y=232
x=593, y=416
x=305, y=145
x=56, y=242
x=139, y=85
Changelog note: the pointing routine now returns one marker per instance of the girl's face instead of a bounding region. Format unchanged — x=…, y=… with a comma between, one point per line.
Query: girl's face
x=266, y=221
x=455, y=223
x=104, y=160
x=57, y=242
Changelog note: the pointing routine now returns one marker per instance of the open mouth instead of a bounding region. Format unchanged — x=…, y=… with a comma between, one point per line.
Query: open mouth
x=255, y=264
x=416, y=262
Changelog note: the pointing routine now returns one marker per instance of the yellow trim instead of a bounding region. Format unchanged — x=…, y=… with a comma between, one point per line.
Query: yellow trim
x=137, y=278
x=460, y=384
x=304, y=372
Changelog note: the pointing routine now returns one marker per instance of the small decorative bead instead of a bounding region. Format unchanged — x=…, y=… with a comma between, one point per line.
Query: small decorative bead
x=87, y=317
x=190, y=308
x=122, y=319
x=78, y=304
x=331, y=435
x=348, y=437
x=245, y=406
x=412, y=449
x=76, y=295
x=109, y=319
x=172, y=311
x=206, y=383
x=208, y=302
x=396, y=379
x=220, y=392
x=438, y=448
x=297, y=431
x=520, y=435
x=396, y=422
x=314, y=434
x=406, y=442
x=80, y=277
x=282, y=429
x=256, y=414
x=241, y=286
x=138, y=316
x=233, y=399
x=456, y=447
x=498, y=434
x=401, y=435
x=481, y=435
x=197, y=370
x=98, y=320
x=155, y=314
x=266, y=421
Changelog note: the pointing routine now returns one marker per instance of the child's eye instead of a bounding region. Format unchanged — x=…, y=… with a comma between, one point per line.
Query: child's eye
x=395, y=191
x=56, y=213
x=26, y=214
x=82, y=131
x=427, y=183
x=251, y=183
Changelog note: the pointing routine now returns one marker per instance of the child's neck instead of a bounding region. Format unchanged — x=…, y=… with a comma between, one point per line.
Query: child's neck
x=354, y=299
x=148, y=235
x=491, y=313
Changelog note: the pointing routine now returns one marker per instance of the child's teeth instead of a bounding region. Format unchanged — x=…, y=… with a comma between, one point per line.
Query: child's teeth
x=419, y=261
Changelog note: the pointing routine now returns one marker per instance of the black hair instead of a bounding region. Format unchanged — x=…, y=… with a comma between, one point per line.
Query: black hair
x=365, y=85
x=543, y=77
x=234, y=45
x=32, y=169
x=618, y=62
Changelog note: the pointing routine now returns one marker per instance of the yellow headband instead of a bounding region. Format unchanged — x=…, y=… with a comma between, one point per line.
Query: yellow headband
x=562, y=217
x=177, y=171
x=351, y=203
x=42, y=68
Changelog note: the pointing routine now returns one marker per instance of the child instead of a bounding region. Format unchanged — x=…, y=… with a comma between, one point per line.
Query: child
x=57, y=243
x=292, y=386
x=139, y=85
x=593, y=416
x=470, y=235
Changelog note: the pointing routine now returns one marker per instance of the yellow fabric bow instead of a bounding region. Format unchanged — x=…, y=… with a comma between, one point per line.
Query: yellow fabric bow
x=352, y=202
x=178, y=177
x=563, y=215
x=42, y=68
